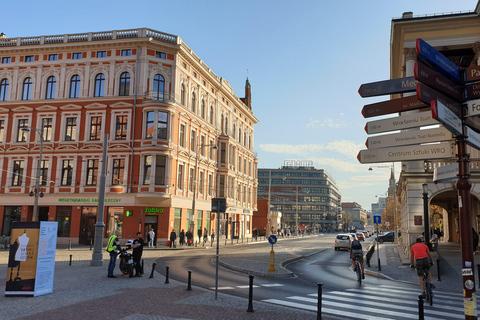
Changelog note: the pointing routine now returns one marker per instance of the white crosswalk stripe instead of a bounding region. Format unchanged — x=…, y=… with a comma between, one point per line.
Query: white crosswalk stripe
x=382, y=302
x=266, y=285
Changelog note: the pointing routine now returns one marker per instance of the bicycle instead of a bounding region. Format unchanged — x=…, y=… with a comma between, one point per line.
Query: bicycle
x=427, y=286
x=358, y=269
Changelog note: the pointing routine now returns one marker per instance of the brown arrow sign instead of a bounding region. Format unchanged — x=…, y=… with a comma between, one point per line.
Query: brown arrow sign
x=472, y=74
x=392, y=106
x=473, y=90
x=438, y=82
x=427, y=95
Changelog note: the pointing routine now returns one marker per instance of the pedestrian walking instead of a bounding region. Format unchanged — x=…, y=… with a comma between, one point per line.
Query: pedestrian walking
x=189, y=236
x=182, y=238
x=212, y=237
x=199, y=233
x=173, y=237
x=137, y=246
x=205, y=235
x=151, y=238
x=113, y=248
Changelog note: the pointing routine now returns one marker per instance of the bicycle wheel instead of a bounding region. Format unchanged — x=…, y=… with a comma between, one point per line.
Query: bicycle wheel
x=359, y=272
x=428, y=292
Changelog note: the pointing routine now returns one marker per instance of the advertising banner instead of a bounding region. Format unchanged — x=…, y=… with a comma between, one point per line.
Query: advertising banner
x=31, y=264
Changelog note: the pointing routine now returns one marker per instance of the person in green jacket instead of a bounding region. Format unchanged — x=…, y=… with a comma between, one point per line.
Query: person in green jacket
x=113, y=248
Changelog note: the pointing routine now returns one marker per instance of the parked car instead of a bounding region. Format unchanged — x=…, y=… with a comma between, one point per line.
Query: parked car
x=360, y=236
x=354, y=236
x=387, y=237
x=343, y=241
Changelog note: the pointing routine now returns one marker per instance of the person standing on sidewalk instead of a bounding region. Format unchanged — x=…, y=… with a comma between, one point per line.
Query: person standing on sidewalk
x=182, y=238
x=113, y=247
x=420, y=258
x=173, y=238
x=151, y=237
x=137, y=254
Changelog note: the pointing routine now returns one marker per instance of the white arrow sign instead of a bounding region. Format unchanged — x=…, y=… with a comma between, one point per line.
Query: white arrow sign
x=413, y=120
x=409, y=137
x=445, y=173
x=473, y=138
x=473, y=108
x=442, y=150
x=447, y=117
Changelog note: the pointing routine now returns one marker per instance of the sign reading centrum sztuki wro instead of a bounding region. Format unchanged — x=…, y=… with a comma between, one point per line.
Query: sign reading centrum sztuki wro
x=31, y=261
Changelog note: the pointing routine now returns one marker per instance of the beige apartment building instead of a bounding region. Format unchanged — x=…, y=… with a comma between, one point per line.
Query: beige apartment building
x=177, y=136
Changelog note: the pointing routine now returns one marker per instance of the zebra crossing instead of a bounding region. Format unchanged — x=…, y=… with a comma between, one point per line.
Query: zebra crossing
x=265, y=285
x=378, y=303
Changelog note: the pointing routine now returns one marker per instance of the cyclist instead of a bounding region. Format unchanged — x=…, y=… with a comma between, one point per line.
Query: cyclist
x=423, y=260
x=356, y=253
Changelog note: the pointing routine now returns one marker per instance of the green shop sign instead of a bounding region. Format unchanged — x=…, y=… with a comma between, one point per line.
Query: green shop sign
x=152, y=211
x=94, y=200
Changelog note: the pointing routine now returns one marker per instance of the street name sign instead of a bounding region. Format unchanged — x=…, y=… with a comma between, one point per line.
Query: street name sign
x=473, y=108
x=447, y=118
x=436, y=81
x=385, y=87
x=427, y=95
x=442, y=150
x=472, y=74
x=433, y=56
x=392, y=106
x=445, y=173
x=409, y=137
x=472, y=90
x=473, y=138
x=408, y=121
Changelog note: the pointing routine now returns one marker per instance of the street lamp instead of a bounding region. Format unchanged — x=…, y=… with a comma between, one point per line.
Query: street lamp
x=395, y=227
x=37, y=176
x=192, y=224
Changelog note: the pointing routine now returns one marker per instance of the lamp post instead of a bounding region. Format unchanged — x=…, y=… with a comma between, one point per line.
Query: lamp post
x=425, y=214
x=192, y=224
x=37, y=175
x=395, y=227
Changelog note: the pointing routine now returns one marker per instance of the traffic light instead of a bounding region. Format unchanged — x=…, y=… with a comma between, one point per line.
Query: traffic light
x=129, y=213
x=368, y=216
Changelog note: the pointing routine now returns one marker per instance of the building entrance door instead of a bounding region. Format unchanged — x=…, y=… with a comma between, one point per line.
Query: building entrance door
x=151, y=223
x=87, y=230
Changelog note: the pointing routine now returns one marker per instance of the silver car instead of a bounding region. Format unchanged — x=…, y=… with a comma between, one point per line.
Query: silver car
x=343, y=241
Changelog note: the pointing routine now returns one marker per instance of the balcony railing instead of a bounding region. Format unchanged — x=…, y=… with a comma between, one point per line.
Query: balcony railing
x=89, y=36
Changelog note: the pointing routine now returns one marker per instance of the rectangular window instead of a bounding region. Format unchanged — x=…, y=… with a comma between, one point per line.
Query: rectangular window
x=210, y=185
x=52, y=57
x=202, y=145
x=118, y=171
x=150, y=124
x=43, y=173
x=147, y=169
x=191, y=179
x=160, y=170
x=64, y=218
x=101, y=54
x=77, y=56
x=211, y=150
x=2, y=130
x=29, y=59
x=71, y=129
x=180, y=176
x=95, y=128
x=21, y=133
x=92, y=172
x=182, y=136
x=223, y=152
x=6, y=60
x=121, y=128
x=162, y=125
x=221, y=187
x=126, y=52
x=67, y=170
x=193, y=139
x=17, y=176
x=47, y=129
x=201, y=182
x=161, y=55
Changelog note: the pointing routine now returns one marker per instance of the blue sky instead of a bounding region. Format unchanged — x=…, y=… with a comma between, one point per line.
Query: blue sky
x=305, y=59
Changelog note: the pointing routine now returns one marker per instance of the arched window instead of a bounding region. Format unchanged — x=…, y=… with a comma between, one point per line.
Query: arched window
x=226, y=125
x=124, y=89
x=221, y=124
x=202, y=109
x=4, y=90
x=75, y=86
x=182, y=94
x=194, y=102
x=239, y=135
x=99, y=85
x=27, y=89
x=211, y=115
x=51, y=84
x=158, y=86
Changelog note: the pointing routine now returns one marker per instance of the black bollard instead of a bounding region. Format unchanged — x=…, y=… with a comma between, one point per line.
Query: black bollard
x=142, y=267
x=70, y=260
x=91, y=244
x=153, y=269
x=5, y=243
x=189, y=287
x=250, y=294
x=438, y=270
x=319, y=301
x=420, y=308
x=166, y=276
x=225, y=241
x=379, y=266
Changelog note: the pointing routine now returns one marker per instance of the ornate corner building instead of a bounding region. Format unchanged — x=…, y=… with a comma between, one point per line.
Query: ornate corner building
x=457, y=36
x=176, y=136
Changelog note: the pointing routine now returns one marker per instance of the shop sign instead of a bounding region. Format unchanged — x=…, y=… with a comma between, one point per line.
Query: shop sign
x=152, y=211
x=84, y=200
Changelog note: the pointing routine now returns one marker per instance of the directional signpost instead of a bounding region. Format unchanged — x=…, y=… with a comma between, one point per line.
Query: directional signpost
x=392, y=106
x=392, y=86
x=408, y=138
x=447, y=117
x=413, y=120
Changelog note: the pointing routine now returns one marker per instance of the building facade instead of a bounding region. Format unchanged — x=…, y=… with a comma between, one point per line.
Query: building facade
x=457, y=36
x=307, y=197
x=354, y=217
x=175, y=132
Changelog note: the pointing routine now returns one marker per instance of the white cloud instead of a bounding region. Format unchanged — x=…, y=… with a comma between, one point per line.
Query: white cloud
x=327, y=122
x=345, y=147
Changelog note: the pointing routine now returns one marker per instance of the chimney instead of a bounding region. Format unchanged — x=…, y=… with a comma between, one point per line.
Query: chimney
x=3, y=35
x=407, y=15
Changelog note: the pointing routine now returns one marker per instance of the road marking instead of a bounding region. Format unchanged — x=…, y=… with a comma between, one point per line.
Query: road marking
x=223, y=288
x=246, y=287
x=272, y=285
